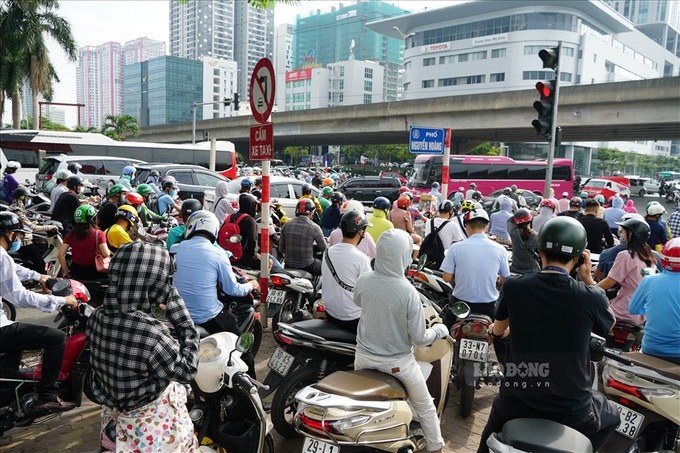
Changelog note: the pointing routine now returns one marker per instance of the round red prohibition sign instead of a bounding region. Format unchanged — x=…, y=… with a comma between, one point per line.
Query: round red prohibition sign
x=262, y=90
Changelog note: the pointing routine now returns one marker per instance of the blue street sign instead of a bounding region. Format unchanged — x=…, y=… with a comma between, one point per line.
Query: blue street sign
x=426, y=140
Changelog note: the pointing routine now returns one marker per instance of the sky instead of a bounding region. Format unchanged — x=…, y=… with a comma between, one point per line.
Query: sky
x=94, y=22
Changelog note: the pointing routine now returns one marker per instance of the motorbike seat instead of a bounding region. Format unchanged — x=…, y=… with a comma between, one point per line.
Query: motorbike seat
x=298, y=273
x=661, y=366
x=535, y=434
x=327, y=330
x=363, y=385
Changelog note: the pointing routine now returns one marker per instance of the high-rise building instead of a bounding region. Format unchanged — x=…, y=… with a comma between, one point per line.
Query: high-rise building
x=322, y=39
x=56, y=115
x=87, y=86
x=110, y=56
x=226, y=29
x=283, y=58
x=219, y=83
x=142, y=49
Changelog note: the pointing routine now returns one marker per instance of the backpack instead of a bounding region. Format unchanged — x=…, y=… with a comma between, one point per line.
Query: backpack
x=433, y=247
x=227, y=230
x=3, y=195
x=153, y=205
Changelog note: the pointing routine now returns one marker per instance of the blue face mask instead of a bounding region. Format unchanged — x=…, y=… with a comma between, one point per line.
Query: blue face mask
x=173, y=192
x=16, y=245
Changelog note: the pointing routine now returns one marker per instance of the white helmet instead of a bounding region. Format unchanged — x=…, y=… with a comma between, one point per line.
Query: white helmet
x=631, y=215
x=476, y=214
x=13, y=164
x=203, y=221
x=351, y=205
x=655, y=208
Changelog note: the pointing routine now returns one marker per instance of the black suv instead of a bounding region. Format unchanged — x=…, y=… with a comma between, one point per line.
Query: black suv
x=367, y=188
x=192, y=180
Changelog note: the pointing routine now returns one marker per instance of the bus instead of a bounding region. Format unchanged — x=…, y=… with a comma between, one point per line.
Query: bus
x=668, y=176
x=490, y=173
x=28, y=147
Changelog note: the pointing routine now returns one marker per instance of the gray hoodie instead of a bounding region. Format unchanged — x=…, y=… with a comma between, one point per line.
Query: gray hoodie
x=222, y=206
x=392, y=318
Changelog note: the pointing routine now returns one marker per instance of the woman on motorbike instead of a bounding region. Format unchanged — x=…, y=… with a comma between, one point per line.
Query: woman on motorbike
x=627, y=269
x=222, y=206
x=126, y=218
x=524, y=243
x=84, y=241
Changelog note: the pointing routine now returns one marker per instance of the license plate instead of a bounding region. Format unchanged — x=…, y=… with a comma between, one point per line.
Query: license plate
x=317, y=446
x=280, y=362
x=276, y=296
x=630, y=421
x=477, y=351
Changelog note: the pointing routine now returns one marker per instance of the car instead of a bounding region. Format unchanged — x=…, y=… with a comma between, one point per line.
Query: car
x=286, y=192
x=532, y=199
x=401, y=177
x=608, y=186
x=192, y=180
x=367, y=188
x=100, y=170
x=642, y=186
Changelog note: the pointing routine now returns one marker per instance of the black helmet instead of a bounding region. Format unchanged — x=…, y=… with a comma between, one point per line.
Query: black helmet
x=507, y=191
x=353, y=221
x=20, y=192
x=155, y=173
x=563, y=235
x=640, y=228
x=445, y=206
x=337, y=197
x=476, y=195
x=522, y=215
x=189, y=206
x=381, y=203
x=258, y=181
x=305, y=206
x=168, y=183
x=306, y=189
x=10, y=222
x=74, y=181
x=74, y=167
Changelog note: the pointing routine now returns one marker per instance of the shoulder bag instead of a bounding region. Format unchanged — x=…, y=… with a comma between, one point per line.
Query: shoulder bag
x=100, y=261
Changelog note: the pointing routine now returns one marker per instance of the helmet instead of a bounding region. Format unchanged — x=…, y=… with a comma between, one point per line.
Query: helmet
x=327, y=190
x=522, y=215
x=128, y=170
x=168, y=183
x=435, y=185
x=584, y=195
x=473, y=185
x=116, y=189
x=169, y=178
x=155, y=173
x=84, y=214
x=74, y=167
x=461, y=189
x=327, y=182
x=513, y=187
x=258, y=181
x=202, y=221
x=10, y=222
x=408, y=195
x=13, y=164
x=337, y=197
x=476, y=214
x=353, y=221
x=476, y=195
x=62, y=175
x=127, y=212
x=306, y=189
x=403, y=189
x=670, y=255
x=563, y=235
x=74, y=181
x=403, y=202
x=565, y=194
x=548, y=202
x=631, y=215
x=246, y=183
x=381, y=203
x=304, y=207
x=576, y=201
x=189, y=206
x=134, y=198
x=600, y=199
x=445, y=206
x=20, y=192
x=144, y=189
x=640, y=228
x=351, y=205
x=655, y=208
x=507, y=191
x=467, y=205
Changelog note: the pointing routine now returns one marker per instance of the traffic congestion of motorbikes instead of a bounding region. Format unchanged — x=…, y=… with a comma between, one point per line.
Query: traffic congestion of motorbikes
x=314, y=388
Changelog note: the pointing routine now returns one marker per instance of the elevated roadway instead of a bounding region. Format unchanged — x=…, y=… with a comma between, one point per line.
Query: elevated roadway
x=619, y=111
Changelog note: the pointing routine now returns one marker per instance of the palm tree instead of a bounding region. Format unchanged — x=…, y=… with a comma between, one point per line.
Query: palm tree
x=116, y=126
x=81, y=128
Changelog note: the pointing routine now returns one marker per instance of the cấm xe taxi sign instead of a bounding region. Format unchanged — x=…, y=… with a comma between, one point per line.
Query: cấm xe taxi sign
x=261, y=142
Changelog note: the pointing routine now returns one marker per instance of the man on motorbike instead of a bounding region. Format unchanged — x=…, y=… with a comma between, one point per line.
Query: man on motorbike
x=146, y=215
x=108, y=211
x=126, y=177
x=299, y=238
x=307, y=194
x=391, y=323
x=176, y=234
x=118, y=234
x=200, y=268
x=222, y=206
x=331, y=215
x=674, y=222
x=69, y=201
x=378, y=220
x=60, y=176
x=658, y=297
x=596, y=228
x=16, y=337
x=654, y=212
x=574, y=210
x=342, y=265
x=551, y=316
x=167, y=200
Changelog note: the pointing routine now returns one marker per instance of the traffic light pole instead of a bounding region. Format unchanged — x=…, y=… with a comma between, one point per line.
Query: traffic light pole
x=196, y=104
x=553, y=128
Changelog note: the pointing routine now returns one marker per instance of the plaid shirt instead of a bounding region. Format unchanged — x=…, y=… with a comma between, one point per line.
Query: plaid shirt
x=674, y=222
x=134, y=356
x=297, y=241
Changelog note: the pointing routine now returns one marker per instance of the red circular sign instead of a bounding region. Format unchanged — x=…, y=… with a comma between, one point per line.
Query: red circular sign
x=262, y=90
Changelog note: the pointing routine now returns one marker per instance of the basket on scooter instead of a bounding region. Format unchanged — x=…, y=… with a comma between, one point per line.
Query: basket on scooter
x=232, y=436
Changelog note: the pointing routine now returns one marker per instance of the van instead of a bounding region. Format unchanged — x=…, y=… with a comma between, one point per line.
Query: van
x=608, y=186
x=100, y=170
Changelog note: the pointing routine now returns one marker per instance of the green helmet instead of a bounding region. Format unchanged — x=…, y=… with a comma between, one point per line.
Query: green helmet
x=144, y=189
x=327, y=190
x=84, y=214
x=563, y=235
x=116, y=189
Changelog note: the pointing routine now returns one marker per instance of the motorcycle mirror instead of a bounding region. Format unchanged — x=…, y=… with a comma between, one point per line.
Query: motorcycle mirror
x=460, y=309
x=235, y=239
x=245, y=342
x=421, y=262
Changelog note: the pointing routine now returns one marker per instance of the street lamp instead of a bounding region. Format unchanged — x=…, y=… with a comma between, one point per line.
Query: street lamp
x=403, y=36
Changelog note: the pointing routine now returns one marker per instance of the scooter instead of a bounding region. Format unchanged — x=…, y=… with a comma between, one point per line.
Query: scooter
x=245, y=310
x=431, y=284
x=17, y=386
x=368, y=409
x=226, y=409
x=291, y=296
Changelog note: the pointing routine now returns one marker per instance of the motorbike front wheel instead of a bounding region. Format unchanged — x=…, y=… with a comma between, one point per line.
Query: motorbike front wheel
x=467, y=395
x=285, y=314
x=268, y=444
x=284, y=405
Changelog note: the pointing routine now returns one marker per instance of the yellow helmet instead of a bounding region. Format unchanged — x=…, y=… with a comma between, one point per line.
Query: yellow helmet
x=127, y=212
x=468, y=205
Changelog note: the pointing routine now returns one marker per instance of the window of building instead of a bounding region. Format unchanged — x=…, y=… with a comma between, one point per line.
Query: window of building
x=429, y=61
x=341, y=98
x=448, y=82
x=475, y=79
x=462, y=57
x=532, y=50
x=407, y=65
x=368, y=85
x=568, y=51
x=428, y=83
x=498, y=77
x=341, y=85
x=594, y=58
x=407, y=86
x=447, y=59
x=342, y=71
x=537, y=75
x=565, y=76
x=298, y=97
x=368, y=73
x=475, y=56
x=498, y=53
x=368, y=98
x=308, y=97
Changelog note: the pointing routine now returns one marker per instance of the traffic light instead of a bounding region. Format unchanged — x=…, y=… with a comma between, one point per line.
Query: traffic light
x=227, y=101
x=550, y=57
x=236, y=101
x=544, y=107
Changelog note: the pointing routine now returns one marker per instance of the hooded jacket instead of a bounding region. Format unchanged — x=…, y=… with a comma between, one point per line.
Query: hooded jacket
x=498, y=221
x=391, y=312
x=247, y=205
x=379, y=224
x=544, y=214
x=614, y=214
x=222, y=207
x=630, y=207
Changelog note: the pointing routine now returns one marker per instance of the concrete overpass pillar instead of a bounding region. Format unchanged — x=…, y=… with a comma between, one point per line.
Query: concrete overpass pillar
x=587, y=159
x=568, y=152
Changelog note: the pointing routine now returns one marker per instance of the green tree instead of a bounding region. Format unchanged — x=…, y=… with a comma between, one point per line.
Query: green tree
x=116, y=126
x=486, y=149
x=296, y=153
x=81, y=128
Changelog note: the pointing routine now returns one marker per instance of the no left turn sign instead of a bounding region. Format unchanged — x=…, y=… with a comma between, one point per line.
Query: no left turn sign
x=262, y=90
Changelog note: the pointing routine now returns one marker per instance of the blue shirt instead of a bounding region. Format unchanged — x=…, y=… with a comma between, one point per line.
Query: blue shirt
x=476, y=263
x=658, y=296
x=164, y=201
x=607, y=257
x=658, y=234
x=199, y=267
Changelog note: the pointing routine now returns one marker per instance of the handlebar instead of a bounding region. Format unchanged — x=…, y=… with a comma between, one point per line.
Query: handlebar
x=242, y=380
x=611, y=355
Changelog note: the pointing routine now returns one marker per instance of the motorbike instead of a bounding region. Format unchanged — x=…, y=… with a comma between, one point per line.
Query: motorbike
x=673, y=196
x=224, y=404
x=625, y=336
x=245, y=309
x=291, y=296
x=367, y=409
x=17, y=386
x=431, y=284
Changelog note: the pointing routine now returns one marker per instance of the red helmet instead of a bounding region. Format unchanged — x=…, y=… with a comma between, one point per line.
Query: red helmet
x=549, y=203
x=403, y=202
x=134, y=198
x=305, y=206
x=670, y=255
x=522, y=215
x=403, y=189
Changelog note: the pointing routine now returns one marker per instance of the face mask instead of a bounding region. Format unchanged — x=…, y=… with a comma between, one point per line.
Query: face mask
x=80, y=190
x=139, y=209
x=16, y=245
x=28, y=203
x=173, y=193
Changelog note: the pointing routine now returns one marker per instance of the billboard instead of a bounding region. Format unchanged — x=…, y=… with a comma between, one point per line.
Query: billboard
x=299, y=74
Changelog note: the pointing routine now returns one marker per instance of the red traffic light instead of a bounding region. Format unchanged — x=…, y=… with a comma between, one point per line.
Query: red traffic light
x=546, y=89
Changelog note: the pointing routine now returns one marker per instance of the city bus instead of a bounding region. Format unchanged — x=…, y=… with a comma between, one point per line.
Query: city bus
x=668, y=176
x=28, y=147
x=490, y=173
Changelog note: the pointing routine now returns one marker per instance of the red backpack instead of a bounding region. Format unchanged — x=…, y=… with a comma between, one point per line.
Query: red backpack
x=228, y=229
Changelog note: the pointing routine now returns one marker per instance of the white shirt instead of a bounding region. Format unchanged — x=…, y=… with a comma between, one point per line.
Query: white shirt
x=349, y=264
x=54, y=194
x=451, y=233
x=468, y=194
x=366, y=246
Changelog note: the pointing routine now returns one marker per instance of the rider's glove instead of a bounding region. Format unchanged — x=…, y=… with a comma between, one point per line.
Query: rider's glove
x=441, y=329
